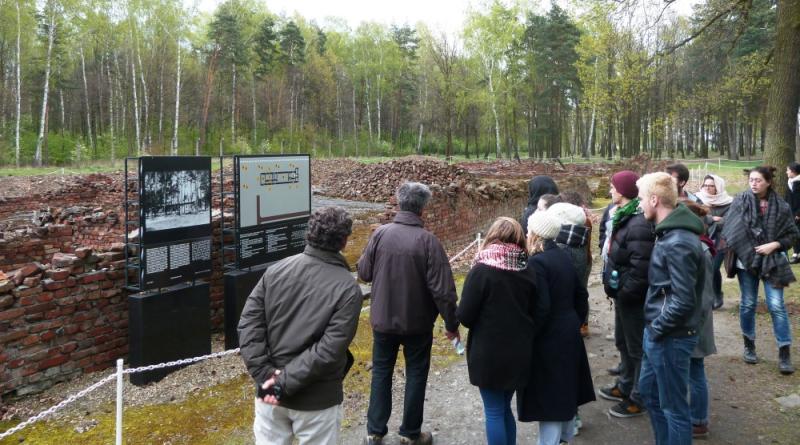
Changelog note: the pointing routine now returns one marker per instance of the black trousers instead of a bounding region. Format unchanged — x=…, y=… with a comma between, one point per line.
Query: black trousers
x=629, y=330
x=417, y=353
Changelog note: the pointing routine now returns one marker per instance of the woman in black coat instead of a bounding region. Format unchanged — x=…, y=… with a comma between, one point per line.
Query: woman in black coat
x=497, y=305
x=793, y=198
x=560, y=380
x=538, y=186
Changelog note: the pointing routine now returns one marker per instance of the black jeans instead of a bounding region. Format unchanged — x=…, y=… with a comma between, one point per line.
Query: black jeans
x=629, y=321
x=417, y=353
x=719, y=258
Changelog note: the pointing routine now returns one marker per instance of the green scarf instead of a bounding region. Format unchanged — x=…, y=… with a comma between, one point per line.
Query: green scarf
x=631, y=208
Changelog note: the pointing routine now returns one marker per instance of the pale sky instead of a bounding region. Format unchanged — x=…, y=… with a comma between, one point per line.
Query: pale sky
x=445, y=15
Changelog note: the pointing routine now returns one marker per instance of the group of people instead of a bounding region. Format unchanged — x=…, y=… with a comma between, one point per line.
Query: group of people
x=525, y=303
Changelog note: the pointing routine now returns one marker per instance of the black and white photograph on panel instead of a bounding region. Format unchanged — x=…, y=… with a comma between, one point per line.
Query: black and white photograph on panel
x=175, y=198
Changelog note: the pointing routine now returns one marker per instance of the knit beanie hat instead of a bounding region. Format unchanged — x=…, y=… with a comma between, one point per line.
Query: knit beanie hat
x=544, y=225
x=625, y=183
x=566, y=213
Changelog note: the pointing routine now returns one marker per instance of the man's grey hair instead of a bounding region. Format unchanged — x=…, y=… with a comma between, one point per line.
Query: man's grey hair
x=328, y=227
x=413, y=197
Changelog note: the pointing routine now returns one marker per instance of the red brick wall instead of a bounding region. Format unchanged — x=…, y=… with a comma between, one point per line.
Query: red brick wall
x=456, y=215
x=61, y=319
x=63, y=309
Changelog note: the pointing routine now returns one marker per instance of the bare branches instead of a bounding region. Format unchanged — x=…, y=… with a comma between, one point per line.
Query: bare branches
x=719, y=15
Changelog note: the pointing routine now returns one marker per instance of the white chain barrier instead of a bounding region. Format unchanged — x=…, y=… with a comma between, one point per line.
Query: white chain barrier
x=185, y=361
x=57, y=407
x=103, y=381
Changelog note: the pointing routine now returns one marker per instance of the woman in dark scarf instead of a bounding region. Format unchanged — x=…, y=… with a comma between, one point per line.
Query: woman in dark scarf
x=538, y=186
x=759, y=229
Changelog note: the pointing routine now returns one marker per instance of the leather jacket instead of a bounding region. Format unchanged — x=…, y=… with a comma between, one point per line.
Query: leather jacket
x=673, y=306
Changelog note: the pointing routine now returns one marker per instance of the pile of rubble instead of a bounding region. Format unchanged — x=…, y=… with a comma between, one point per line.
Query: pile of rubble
x=377, y=182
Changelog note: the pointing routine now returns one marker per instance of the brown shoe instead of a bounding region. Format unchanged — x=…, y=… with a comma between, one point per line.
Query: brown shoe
x=424, y=438
x=699, y=431
x=585, y=330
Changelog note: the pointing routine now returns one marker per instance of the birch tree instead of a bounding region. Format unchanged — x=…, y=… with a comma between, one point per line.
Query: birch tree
x=51, y=10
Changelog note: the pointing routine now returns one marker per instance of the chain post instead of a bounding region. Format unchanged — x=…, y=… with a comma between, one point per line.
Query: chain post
x=119, y=403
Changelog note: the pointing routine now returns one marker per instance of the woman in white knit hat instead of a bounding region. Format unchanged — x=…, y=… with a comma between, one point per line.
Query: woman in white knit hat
x=560, y=379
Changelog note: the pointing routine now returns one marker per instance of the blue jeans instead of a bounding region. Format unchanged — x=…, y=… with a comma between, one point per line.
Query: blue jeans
x=552, y=433
x=698, y=392
x=501, y=428
x=417, y=352
x=748, y=285
x=664, y=387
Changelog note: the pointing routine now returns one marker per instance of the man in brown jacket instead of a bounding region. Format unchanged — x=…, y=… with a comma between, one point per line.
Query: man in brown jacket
x=294, y=332
x=412, y=283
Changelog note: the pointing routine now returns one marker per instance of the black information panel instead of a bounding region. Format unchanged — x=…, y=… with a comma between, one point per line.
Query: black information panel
x=273, y=196
x=238, y=284
x=271, y=242
x=175, y=219
x=167, y=326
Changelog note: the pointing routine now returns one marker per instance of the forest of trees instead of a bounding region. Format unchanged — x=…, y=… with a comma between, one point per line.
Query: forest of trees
x=104, y=79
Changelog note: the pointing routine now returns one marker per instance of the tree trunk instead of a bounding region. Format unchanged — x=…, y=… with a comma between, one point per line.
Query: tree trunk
x=378, y=106
x=176, y=122
x=355, y=125
x=86, y=96
x=207, y=98
x=233, y=105
x=494, y=113
x=146, y=97
x=369, y=114
x=255, y=118
x=784, y=93
x=136, y=109
x=111, y=112
x=161, y=107
x=19, y=89
x=51, y=32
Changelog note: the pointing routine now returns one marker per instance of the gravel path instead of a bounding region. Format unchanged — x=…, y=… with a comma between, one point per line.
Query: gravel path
x=743, y=410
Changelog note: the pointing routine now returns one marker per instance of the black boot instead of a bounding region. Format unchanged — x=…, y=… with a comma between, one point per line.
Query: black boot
x=750, y=351
x=785, y=360
x=717, y=302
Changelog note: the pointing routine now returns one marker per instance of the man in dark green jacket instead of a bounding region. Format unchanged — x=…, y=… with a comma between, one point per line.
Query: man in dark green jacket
x=294, y=332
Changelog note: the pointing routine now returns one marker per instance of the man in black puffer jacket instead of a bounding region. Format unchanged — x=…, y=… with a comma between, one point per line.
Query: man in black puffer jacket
x=673, y=309
x=625, y=280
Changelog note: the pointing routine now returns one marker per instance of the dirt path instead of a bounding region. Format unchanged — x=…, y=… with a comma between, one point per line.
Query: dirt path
x=743, y=409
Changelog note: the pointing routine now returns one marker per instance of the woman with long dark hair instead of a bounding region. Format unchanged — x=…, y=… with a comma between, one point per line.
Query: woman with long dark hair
x=760, y=228
x=497, y=305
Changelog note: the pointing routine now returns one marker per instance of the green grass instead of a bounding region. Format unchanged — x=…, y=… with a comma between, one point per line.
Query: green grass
x=105, y=167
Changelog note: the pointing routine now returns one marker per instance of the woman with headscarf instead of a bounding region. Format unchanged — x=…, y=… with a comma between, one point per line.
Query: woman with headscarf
x=759, y=229
x=560, y=379
x=498, y=305
x=713, y=195
x=538, y=186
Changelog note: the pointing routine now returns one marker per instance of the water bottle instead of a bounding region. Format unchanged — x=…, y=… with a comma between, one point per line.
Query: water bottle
x=613, y=280
x=458, y=346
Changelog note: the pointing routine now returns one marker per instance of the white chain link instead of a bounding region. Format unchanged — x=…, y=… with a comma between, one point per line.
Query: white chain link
x=185, y=361
x=60, y=405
